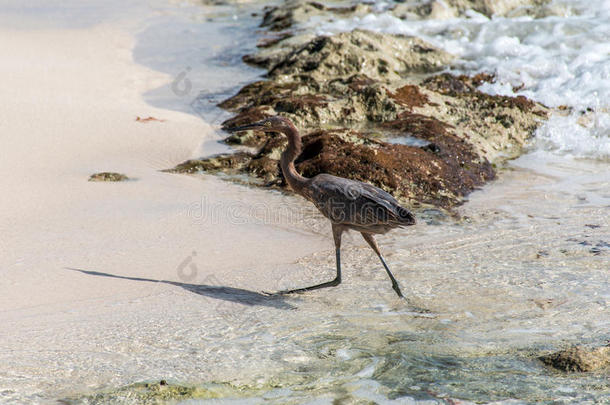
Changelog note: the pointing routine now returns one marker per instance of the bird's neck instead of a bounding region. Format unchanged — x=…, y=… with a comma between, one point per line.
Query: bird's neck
x=293, y=178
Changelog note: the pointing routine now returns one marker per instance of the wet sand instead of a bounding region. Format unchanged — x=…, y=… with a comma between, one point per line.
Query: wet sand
x=69, y=106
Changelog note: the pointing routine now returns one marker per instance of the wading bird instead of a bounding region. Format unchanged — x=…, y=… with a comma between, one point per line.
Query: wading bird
x=348, y=204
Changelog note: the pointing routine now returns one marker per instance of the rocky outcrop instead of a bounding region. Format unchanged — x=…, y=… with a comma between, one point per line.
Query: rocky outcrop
x=373, y=108
x=377, y=56
x=434, y=174
x=442, y=9
x=496, y=126
x=579, y=358
x=293, y=13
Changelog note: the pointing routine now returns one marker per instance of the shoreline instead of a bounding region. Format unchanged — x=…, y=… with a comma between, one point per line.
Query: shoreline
x=73, y=113
x=101, y=289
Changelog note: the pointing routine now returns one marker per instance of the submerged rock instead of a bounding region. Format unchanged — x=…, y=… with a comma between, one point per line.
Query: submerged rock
x=160, y=392
x=579, y=358
x=231, y=161
x=108, y=176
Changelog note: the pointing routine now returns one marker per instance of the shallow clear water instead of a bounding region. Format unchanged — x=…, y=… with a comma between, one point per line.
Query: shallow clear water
x=524, y=271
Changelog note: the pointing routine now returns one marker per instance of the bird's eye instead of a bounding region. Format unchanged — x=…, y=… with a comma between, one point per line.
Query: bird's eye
x=267, y=124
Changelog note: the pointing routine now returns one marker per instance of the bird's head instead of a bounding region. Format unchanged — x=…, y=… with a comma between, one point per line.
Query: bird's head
x=271, y=124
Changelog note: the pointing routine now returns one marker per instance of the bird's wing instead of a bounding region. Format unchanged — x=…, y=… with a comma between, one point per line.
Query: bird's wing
x=356, y=203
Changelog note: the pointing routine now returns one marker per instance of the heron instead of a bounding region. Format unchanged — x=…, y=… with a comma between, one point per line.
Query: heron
x=348, y=204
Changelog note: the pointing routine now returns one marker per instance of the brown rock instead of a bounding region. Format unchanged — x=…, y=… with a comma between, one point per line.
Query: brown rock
x=367, y=117
x=108, y=176
x=579, y=358
x=409, y=96
x=439, y=174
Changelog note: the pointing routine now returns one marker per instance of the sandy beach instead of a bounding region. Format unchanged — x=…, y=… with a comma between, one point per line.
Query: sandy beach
x=69, y=107
x=103, y=285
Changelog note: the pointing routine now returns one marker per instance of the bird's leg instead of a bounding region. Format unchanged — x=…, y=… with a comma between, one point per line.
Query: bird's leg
x=371, y=241
x=337, y=231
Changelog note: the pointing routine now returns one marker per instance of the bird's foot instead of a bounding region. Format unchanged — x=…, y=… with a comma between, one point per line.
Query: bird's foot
x=396, y=288
x=283, y=292
x=332, y=283
x=269, y=293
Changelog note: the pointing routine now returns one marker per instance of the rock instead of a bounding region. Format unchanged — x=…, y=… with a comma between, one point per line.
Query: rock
x=371, y=109
x=444, y=9
x=382, y=57
x=412, y=173
x=579, y=358
x=229, y=162
x=354, y=101
x=293, y=12
x=150, y=393
x=506, y=7
x=498, y=127
x=439, y=173
x=108, y=176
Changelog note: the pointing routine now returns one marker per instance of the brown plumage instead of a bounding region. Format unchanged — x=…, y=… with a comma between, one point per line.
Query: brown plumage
x=348, y=204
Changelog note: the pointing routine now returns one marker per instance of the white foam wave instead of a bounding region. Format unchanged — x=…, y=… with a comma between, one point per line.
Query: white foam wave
x=557, y=60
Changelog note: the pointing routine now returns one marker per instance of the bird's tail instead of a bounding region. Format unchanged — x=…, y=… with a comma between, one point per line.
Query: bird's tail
x=405, y=217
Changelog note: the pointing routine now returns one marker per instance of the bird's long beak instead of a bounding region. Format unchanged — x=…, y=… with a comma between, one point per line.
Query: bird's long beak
x=254, y=125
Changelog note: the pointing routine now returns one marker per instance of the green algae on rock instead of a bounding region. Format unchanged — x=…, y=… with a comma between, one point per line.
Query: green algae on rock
x=154, y=393
x=108, y=176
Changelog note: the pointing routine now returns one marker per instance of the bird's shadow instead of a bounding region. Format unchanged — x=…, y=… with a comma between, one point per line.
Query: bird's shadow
x=231, y=294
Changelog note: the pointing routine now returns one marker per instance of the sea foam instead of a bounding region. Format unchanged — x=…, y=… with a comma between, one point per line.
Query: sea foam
x=558, y=60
